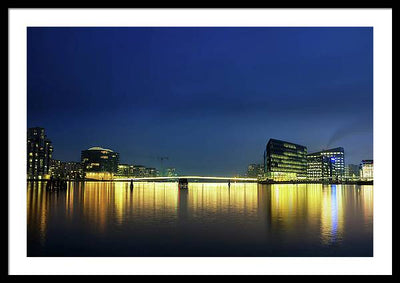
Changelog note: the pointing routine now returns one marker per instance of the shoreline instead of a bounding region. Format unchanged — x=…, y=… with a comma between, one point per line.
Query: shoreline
x=258, y=182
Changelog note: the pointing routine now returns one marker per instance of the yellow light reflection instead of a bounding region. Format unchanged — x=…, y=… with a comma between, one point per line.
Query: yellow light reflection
x=331, y=214
x=221, y=198
x=38, y=209
x=313, y=205
x=312, y=209
x=156, y=199
x=368, y=202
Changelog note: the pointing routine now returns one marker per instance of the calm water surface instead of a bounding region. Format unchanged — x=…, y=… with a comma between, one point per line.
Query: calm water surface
x=208, y=219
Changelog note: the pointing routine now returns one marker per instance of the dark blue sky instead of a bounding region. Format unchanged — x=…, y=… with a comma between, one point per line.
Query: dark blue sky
x=208, y=98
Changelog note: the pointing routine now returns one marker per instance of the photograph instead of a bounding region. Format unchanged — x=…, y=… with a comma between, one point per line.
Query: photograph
x=200, y=141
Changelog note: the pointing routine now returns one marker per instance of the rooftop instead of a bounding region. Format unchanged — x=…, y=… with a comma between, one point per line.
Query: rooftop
x=100, y=148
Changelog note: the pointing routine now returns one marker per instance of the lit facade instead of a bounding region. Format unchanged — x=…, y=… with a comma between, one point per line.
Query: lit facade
x=170, y=172
x=255, y=171
x=285, y=161
x=352, y=172
x=153, y=172
x=39, y=154
x=66, y=170
x=99, y=163
x=56, y=169
x=336, y=156
x=73, y=170
x=319, y=168
x=140, y=171
x=124, y=170
x=367, y=170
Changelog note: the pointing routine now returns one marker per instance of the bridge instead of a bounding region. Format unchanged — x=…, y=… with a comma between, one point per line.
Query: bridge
x=189, y=178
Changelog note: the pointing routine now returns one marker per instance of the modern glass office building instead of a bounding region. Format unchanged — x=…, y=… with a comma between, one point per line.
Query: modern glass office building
x=99, y=163
x=136, y=171
x=124, y=170
x=336, y=160
x=39, y=154
x=319, y=168
x=367, y=170
x=66, y=170
x=352, y=172
x=285, y=161
x=255, y=170
x=171, y=172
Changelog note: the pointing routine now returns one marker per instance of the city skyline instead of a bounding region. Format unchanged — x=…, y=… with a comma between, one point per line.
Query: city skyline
x=201, y=96
x=169, y=167
x=283, y=161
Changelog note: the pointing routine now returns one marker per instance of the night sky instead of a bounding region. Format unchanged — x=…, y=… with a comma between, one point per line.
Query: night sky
x=209, y=99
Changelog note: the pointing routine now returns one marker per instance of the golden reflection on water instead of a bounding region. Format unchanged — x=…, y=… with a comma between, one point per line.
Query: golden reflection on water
x=103, y=202
x=312, y=205
x=291, y=208
x=332, y=214
x=69, y=201
x=368, y=202
x=156, y=200
x=38, y=209
x=294, y=206
x=221, y=198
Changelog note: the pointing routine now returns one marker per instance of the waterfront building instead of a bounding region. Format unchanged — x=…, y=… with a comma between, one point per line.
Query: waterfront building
x=66, y=170
x=153, y=172
x=124, y=170
x=72, y=170
x=336, y=156
x=170, y=172
x=131, y=170
x=138, y=171
x=39, y=154
x=99, y=163
x=352, y=172
x=285, y=161
x=56, y=169
x=367, y=170
x=319, y=168
x=255, y=171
